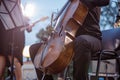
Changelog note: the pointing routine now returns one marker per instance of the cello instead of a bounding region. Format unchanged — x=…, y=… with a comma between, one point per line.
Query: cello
x=57, y=52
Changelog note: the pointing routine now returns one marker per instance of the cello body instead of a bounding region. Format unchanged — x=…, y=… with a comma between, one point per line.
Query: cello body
x=56, y=54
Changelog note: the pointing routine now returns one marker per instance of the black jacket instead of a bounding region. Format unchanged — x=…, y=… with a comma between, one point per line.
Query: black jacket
x=91, y=23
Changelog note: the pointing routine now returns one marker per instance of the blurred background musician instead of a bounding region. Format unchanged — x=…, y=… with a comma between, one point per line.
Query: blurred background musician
x=12, y=37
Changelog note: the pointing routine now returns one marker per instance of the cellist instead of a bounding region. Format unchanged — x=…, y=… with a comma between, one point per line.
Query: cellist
x=87, y=41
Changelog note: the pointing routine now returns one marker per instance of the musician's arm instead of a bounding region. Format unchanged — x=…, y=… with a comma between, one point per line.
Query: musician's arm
x=94, y=3
x=100, y=2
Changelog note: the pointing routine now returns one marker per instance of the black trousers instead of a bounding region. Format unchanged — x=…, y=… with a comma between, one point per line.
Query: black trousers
x=84, y=47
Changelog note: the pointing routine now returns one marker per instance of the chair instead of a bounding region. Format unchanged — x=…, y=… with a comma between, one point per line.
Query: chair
x=109, y=49
x=110, y=39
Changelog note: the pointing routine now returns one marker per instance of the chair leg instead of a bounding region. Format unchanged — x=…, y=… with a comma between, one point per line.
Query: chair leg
x=98, y=65
x=118, y=66
x=67, y=74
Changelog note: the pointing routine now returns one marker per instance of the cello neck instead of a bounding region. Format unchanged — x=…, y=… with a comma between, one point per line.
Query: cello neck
x=63, y=8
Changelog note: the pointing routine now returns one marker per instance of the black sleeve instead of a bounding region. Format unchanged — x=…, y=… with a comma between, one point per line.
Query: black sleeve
x=94, y=3
x=100, y=2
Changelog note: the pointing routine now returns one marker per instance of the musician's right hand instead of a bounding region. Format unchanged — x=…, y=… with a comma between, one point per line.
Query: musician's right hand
x=117, y=22
x=29, y=28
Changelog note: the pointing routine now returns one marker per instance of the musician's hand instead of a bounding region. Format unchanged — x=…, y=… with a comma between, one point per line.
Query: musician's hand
x=117, y=22
x=116, y=25
x=29, y=29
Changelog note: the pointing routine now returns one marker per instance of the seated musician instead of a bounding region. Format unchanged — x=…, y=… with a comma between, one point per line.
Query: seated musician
x=87, y=41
